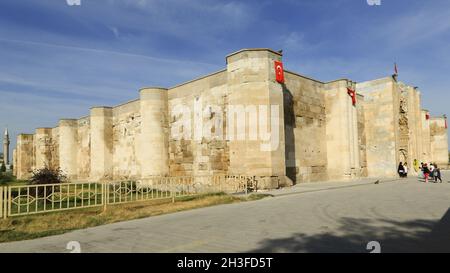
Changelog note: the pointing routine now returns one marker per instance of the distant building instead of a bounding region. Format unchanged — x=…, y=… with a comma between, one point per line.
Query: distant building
x=4, y=157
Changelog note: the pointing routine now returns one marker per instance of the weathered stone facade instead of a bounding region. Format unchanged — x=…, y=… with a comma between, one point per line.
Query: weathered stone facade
x=322, y=134
x=439, y=141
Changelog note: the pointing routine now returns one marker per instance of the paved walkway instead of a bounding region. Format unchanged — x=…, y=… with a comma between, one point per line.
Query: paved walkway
x=327, y=185
x=406, y=215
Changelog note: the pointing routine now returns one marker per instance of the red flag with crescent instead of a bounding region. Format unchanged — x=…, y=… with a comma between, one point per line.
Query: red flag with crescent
x=352, y=94
x=279, y=73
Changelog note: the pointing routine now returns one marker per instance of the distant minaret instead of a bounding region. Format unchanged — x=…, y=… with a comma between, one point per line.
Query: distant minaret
x=6, y=143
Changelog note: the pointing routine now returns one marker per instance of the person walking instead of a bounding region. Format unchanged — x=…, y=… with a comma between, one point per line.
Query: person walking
x=401, y=170
x=405, y=167
x=437, y=174
x=416, y=166
x=431, y=170
x=426, y=172
x=421, y=175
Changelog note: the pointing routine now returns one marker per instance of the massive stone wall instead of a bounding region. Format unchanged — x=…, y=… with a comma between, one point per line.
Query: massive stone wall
x=251, y=85
x=25, y=156
x=154, y=140
x=426, y=136
x=342, y=137
x=362, y=142
x=301, y=130
x=126, y=132
x=439, y=141
x=410, y=122
x=14, y=162
x=43, y=148
x=191, y=154
x=68, y=147
x=404, y=126
x=307, y=153
x=83, y=147
x=381, y=125
x=415, y=125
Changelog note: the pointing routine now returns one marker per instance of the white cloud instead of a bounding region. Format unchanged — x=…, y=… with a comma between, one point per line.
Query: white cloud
x=115, y=31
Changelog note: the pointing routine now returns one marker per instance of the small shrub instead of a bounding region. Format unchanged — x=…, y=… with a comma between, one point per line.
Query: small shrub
x=3, y=168
x=46, y=176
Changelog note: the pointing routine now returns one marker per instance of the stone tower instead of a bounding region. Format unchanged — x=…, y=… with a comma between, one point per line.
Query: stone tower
x=6, y=143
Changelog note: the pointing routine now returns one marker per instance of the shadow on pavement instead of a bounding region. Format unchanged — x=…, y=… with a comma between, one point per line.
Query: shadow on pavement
x=416, y=236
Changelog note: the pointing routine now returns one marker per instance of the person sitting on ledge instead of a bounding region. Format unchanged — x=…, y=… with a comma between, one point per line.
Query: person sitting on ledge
x=401, y=170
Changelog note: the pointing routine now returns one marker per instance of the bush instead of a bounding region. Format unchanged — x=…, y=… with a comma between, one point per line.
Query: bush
x=46, y=176
x=3, y=168
x=5, y=178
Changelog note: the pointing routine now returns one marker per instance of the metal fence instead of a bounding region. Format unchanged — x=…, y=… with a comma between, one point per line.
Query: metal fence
x=2, y=200
x=33, y=199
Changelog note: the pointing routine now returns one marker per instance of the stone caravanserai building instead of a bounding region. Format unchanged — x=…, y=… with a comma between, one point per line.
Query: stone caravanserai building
x=327, y=130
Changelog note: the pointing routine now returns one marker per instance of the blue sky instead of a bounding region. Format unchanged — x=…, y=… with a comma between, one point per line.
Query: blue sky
x=56, y=60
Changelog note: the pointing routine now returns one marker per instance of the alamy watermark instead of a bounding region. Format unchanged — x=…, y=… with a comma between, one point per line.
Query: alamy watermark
x=374, y=247
x=374, y=2
x=74, y=247
x=243, y=123
x=73, y=2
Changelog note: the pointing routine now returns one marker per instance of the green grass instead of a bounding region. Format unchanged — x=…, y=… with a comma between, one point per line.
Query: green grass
x=53, y=223
x=7, y=179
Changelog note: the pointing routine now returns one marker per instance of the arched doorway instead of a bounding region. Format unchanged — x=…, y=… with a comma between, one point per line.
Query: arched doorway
x=403, y=156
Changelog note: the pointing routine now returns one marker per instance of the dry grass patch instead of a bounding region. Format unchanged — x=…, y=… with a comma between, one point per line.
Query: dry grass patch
x=40, y=225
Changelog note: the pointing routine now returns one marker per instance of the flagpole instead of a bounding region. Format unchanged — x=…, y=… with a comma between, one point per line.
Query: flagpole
x=395, y=76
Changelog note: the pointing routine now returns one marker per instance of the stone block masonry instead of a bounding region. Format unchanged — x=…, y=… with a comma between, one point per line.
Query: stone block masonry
x=439, y=141
x=243, y=120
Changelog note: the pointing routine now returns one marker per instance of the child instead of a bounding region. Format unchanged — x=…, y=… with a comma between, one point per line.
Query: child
x=426, y=172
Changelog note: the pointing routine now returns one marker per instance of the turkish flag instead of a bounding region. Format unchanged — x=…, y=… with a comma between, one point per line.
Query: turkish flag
x=279, y=73
x=352, y=93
